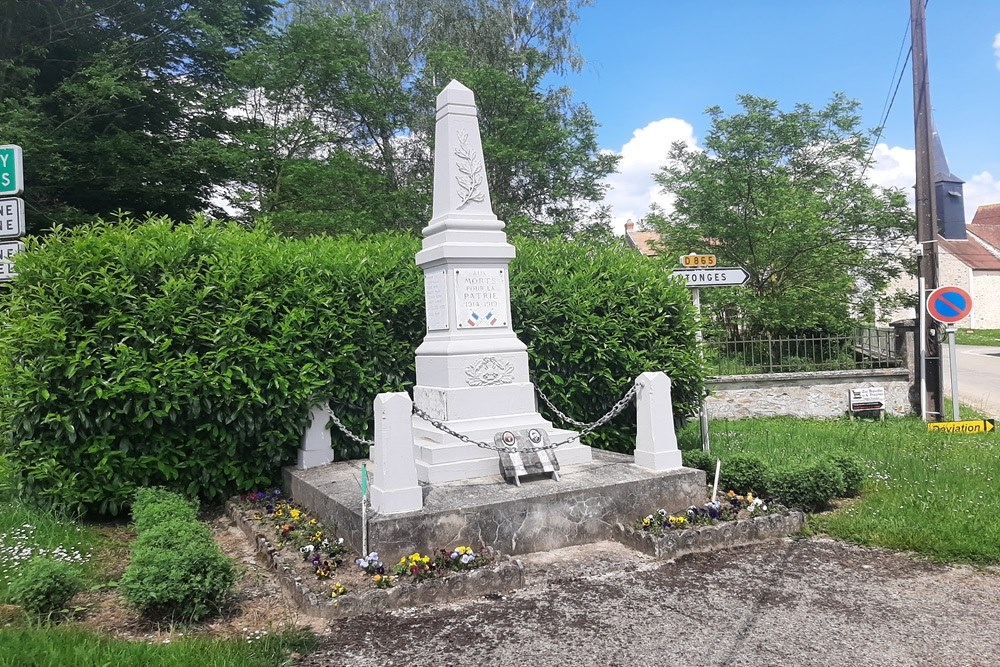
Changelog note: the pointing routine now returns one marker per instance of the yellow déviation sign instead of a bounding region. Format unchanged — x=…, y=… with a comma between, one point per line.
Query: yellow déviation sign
x=967, y=426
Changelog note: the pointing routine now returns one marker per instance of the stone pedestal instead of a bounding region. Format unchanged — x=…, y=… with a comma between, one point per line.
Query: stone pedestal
x=472, y=371
x=316, y=448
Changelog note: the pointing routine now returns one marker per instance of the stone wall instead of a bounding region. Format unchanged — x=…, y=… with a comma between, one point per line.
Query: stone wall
x=811, y=395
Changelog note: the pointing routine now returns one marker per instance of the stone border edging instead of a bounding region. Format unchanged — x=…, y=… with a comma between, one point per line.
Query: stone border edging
x=725, y=535
x=505, y=576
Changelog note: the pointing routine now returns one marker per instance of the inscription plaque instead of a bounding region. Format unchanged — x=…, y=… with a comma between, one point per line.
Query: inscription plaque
x=480, y=298
x=436, y=300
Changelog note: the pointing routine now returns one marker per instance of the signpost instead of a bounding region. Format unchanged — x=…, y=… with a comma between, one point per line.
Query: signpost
x=948, y=305
x=11, y=171
x=867, y=399
x=697, y=278
x=11, y=208
x=967, y=426
x=718, y=277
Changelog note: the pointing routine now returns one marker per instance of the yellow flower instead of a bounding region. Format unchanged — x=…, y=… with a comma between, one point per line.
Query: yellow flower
x=731, y=494
x=749, y=497
x=295, y=514
x=377, y=578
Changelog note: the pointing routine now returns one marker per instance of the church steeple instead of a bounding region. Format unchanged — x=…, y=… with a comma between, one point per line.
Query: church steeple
x=947, y=195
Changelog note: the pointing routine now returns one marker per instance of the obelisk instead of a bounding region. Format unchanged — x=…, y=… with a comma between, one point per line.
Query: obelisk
x=472, y=371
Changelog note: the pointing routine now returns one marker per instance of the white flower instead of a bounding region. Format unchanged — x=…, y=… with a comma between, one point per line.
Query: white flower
x=467, y=558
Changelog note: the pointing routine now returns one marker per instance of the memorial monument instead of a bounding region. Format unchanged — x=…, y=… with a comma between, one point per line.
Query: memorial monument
x=472, y=371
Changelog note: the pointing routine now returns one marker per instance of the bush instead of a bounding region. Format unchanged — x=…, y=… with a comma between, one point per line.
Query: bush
x=853, y=470
x=44, y=586
x=808, y=486
x=744, y=473
x=173, y=533
x=153, y=506
x=699, y=460
x=187, y=356
x=187, y=581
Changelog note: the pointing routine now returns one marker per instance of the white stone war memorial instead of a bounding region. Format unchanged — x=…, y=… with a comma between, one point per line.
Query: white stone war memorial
x=472, y=371
x=435, y=462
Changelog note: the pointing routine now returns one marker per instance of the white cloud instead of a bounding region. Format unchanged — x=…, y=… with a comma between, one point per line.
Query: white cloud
x=983, y=188
x=632, y=187
x=894, y=167
x=996, y=48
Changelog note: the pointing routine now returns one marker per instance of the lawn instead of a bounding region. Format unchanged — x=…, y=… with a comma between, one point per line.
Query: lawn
x=931, y=493
x=97, y=549
x=989, y=337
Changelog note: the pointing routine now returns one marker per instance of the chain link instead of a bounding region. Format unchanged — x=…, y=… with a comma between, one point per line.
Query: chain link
x=343, y=429
x=615, y=410
x=556, y=411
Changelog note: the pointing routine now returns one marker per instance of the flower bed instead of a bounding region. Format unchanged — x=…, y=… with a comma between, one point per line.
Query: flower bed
x=731, y=522
x=316, y=569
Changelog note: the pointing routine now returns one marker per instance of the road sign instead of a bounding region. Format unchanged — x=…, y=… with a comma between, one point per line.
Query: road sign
x=864, y=399
x=949, y=304
x=967, y=426
x=8, y=250
x=11, y=217
x=719, y=277
x=11, y=170
x=694, y=260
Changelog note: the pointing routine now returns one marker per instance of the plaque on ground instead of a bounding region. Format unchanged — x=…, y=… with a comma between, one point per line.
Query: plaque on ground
x=519, y=456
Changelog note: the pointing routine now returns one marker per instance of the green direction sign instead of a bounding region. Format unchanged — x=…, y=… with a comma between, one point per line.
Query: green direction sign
x=11, y=171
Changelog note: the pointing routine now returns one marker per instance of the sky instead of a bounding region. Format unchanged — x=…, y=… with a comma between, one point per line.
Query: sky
x=652, y=67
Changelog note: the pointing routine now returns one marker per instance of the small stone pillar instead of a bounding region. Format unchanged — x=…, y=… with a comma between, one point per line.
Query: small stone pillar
x=655, y=438
x=316, y=448
x=905, y=341
x=395, y=488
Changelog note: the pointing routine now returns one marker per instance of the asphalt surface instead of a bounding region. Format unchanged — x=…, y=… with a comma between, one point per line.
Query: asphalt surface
x=978, y=377
x=785, y=603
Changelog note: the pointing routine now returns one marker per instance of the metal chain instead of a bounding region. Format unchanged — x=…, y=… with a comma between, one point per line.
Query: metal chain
x=343, y=429
x=556, y=411
x=615, y=410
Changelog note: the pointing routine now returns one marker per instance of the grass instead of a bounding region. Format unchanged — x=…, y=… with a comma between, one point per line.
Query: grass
x=52, y=645
x=26, y=531
x=989, y=337
x=931, y=493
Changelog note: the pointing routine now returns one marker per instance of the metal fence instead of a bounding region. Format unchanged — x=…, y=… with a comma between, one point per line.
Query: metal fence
x=868, y=347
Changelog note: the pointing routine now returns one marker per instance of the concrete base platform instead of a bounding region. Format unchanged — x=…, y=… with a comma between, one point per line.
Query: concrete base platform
x=542, y=514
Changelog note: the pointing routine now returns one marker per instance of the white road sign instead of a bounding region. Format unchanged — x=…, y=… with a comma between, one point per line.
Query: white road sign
x=7, y=250
x=11, y=217
x=716, y=277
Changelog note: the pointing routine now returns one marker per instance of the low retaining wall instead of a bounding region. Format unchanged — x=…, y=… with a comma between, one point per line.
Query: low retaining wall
x=725, y=535
x=821, y=394
x=500, y=578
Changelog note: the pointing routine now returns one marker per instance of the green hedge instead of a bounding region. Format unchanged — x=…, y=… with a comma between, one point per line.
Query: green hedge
x=186, y=356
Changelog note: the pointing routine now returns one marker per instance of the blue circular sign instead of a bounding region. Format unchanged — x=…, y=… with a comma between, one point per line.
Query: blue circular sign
x=949, y=304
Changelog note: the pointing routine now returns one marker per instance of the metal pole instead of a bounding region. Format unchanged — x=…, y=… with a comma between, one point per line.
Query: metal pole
x=702, y=409
x=927, y=266
x=954, y=372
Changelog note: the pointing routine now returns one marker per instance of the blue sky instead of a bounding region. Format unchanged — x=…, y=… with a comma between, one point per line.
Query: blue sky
x=653, y=66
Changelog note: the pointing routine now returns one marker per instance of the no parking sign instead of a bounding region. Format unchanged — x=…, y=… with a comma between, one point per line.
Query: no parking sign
x=949, y=304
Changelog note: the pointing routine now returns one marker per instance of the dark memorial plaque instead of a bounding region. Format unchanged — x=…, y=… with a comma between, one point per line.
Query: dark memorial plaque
x=515, y=459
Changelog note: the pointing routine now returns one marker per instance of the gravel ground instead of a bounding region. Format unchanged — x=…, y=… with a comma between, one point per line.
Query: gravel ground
x=785, y=603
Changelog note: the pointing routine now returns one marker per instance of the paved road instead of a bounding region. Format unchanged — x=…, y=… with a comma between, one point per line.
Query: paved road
x=978, y=377
x=789, y=603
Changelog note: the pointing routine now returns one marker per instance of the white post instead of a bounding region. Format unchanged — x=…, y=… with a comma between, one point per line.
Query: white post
x=395, y=488
x=953, y=364
x=655, y=439
x=699, y=339
x=316, y=448
x=922, y=324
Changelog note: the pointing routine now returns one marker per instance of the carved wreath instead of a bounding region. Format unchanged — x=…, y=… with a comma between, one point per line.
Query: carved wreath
x=489, y=371
x=470, y=172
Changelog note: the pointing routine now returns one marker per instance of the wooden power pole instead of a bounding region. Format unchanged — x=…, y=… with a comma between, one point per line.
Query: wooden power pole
x=928, y=358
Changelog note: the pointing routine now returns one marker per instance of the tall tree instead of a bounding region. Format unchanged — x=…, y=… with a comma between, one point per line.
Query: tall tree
x=783, y=194
x=119, y=104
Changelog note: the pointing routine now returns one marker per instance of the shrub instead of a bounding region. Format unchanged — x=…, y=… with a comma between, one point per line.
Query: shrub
x=44, y=586
x=853, y=471
x=187, y=356
x=744, y=473
x=153, y=506
x=699, y=460
x=173, y=533
x=188, y=581
x=807, y=486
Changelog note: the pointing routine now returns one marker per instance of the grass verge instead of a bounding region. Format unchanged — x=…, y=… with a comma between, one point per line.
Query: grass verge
x=930, y=493
x=989, y=337
x=51, y=645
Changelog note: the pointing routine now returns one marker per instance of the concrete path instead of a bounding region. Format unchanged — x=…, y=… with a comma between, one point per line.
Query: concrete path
x=978, y=377
x=786, y=603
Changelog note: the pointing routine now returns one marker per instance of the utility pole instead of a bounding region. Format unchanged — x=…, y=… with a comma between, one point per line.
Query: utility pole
x=928, y=359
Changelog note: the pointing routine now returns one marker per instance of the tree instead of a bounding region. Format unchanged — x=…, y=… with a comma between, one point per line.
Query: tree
x=783, y=194
x=119, y=104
